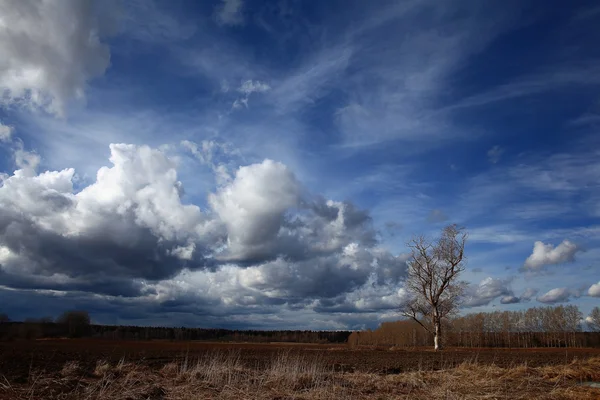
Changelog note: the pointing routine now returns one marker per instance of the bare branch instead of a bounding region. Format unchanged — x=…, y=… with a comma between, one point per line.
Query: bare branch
x=433, y=269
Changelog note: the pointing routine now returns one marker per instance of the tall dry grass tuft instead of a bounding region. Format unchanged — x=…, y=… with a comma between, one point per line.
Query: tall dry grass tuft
x=102, y=368
x=71, y=368
x=296, y=371
x=578, y=370
x=123, y=381
x=296, y=375
x=216, y=368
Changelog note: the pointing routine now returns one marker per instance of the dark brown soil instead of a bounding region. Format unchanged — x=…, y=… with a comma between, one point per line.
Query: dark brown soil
x=19, y=358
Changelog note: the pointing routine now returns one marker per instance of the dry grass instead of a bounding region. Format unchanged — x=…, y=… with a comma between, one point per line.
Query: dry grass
x=293, y=375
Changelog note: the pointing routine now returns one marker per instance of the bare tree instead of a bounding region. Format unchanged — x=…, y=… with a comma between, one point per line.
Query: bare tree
x=593, y=320
x=433, y=271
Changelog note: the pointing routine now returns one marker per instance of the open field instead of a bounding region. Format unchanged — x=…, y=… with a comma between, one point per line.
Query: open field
x=179, y=370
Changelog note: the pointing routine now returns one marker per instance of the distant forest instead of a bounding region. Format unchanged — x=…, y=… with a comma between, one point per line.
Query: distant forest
x=558, y=326
x=76, y=324
x=535, y=327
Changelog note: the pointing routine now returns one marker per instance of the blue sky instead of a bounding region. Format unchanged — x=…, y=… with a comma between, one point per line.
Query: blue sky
x=243, y=163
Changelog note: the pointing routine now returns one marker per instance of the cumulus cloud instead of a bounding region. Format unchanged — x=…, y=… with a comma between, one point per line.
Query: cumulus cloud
x=229, y=12
x=328, y=284
x=129, y=224
x=494, y=154
x=263, y=242
x=51, y=50
x=546, y=254
x=557, y=295
x=594, y=290
x=253, y=208
x=509, y=300
x=487, y=291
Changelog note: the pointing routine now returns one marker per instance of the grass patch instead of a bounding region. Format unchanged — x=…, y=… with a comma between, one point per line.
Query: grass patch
x=298, y=375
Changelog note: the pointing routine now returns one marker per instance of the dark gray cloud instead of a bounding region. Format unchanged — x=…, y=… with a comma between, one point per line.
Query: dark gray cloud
x=527, y=295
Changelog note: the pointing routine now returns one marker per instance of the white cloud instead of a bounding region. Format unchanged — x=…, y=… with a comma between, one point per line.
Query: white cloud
x=239, y=103
x=594, y=290
x=557, y=295
x=229, y=12
x=26, y=160
x=129, y=223
x=5, y=133
x=494, y=154
x=264, y=241
x=251, y=86
x=510, y=300
x=546, y=254
x=50, y=51
x=253, y=206
x=487, y=291
x=497, y=234
x=247, y=88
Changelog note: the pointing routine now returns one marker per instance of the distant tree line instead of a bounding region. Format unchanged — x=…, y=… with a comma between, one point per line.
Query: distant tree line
x=76, y=324
x=558, y=326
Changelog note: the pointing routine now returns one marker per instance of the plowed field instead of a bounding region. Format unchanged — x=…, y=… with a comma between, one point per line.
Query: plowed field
x=19, y=358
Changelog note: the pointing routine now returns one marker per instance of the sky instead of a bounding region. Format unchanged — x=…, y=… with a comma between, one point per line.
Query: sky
x=263, y=164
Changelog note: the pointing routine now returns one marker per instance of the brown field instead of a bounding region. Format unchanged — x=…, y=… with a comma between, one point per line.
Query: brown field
x=99, y=369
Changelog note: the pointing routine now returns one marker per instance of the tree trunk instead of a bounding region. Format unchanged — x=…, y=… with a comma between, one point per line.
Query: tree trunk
x=437, y=335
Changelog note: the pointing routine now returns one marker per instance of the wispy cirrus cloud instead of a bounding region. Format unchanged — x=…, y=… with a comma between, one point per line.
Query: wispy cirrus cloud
x=494, y=154
x=229, y=12
x=565, y=77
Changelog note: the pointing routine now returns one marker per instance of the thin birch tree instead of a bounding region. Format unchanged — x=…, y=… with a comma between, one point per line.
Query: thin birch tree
x=593, y=320
x=432, y=281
